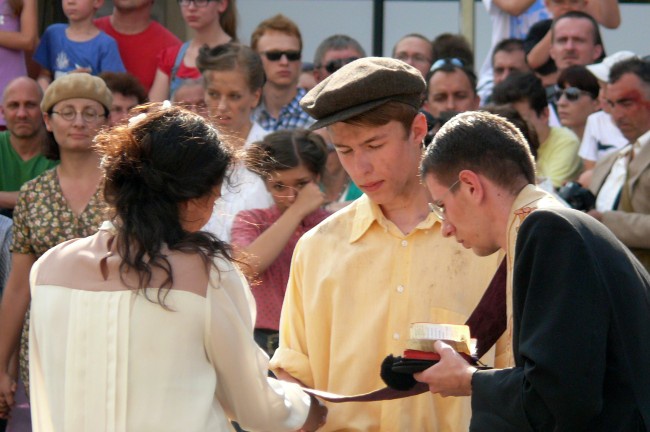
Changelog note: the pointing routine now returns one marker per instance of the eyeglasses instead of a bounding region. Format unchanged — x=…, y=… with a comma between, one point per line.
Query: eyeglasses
x=436, y=206
x=277, y=55
x=88, y=115
x=197, y=3
x=572, y=93
x=453, y=61
x=336, y=64
x=415, y=58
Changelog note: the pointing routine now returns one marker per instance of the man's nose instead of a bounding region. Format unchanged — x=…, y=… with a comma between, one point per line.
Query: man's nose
x=447, y=229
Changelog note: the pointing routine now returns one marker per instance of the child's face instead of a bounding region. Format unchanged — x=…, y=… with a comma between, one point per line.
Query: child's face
x=79, y=10
x=284, y=186
x=558, y=8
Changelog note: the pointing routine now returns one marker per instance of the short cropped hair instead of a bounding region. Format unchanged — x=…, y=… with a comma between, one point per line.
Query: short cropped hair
x=484, y=143
x=521, y=86
x=126, y=84
x=636, y=66
x=279, y=23
x=597, y=38
x=336, y=42
x=509, y=45
x=413, y=35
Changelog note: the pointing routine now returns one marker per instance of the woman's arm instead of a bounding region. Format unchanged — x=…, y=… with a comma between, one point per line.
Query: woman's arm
x=15, y=302
x=26, y=38
x=264, y=250
x=540, y=52
x=160, y=87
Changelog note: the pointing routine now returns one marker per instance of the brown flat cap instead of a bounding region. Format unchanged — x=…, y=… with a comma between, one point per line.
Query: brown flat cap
x=360, y=86
x=77, y=85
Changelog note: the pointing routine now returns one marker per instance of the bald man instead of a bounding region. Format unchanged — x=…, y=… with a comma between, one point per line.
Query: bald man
x=21, y=143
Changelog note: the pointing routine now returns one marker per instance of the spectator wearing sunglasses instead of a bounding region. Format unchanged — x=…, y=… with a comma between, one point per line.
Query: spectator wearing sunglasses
x=415, y=50
x=557, y=156
x=279, y=42
x=450, y=87
x=576, y=96
x=333, y=53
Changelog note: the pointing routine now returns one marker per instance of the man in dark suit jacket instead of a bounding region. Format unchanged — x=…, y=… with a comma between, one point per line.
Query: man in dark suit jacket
x=621, y=182
x=580, y=301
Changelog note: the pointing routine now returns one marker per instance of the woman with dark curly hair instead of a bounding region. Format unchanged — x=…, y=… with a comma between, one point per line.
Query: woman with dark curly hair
x=147, y=325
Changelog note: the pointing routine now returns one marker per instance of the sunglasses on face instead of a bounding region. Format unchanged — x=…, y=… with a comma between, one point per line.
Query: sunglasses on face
x=572, y=93
x=197, y=3
x=336, y=64
x=277, y=55
x=446, y=61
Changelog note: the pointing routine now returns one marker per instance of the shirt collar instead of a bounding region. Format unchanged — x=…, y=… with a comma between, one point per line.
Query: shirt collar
x=367, y=212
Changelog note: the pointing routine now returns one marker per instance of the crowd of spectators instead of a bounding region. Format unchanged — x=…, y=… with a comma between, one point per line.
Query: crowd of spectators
x=584, y=113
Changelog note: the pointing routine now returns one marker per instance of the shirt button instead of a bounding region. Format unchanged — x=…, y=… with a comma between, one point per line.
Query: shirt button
x=405, y=243
x=400, y=289
x=395, y=336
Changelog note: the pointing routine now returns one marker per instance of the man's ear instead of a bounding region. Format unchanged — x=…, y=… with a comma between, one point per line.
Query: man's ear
x=419, y=127
x=598, y=51
x=474, y=183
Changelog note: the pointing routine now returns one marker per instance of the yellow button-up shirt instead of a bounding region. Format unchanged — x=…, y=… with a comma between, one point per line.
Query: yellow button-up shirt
x=356, y=284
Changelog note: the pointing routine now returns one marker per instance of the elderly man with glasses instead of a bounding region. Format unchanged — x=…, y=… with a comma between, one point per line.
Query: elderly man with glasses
x=279, y=42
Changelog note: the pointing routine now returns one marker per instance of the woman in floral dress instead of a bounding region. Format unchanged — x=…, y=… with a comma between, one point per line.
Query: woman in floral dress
x=61, y=204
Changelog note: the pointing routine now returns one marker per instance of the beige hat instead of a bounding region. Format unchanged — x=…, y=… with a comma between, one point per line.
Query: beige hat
x=360, y=86
x=77, y=85
x=601, y=70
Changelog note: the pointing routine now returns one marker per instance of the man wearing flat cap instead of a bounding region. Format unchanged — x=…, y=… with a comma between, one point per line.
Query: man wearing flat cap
x=363, y=275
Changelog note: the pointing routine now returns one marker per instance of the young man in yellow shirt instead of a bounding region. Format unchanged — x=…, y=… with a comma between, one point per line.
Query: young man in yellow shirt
x=363, y=275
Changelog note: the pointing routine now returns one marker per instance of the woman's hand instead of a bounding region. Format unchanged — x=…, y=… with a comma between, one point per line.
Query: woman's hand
x=317, y=416
x=310, y=197
x=7, y=391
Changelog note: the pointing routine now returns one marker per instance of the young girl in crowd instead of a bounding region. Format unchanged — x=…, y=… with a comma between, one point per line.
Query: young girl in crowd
x=290, y=163
x=234, y=75
x=146, y=325
x=214, y=23
x=61, y=204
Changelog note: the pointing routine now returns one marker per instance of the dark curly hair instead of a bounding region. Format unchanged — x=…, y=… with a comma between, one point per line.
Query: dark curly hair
x=169, y=156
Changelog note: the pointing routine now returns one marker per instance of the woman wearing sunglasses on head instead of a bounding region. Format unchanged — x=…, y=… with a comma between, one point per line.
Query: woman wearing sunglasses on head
x=576, y=96
x=214, y=22
x=147, y=325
